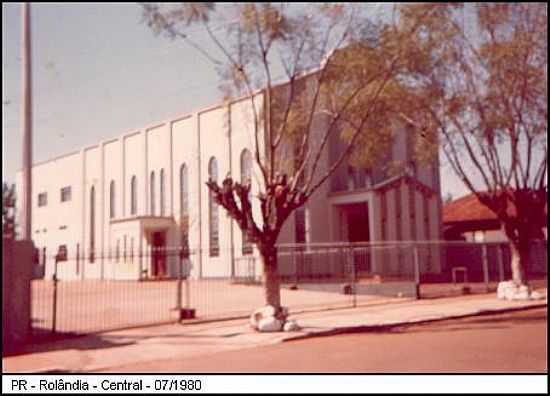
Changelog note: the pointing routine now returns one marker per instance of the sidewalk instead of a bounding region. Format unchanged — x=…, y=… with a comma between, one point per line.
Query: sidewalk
x=107, y=351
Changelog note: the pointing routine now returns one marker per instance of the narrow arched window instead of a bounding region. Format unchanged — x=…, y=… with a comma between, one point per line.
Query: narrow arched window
x=213, y=211
x=112, y=203
x=152, y=191
x=184, y=192
x=184, y=209
x=162, y=194
x=92, y=224
x=133, y=195
x=246, y=177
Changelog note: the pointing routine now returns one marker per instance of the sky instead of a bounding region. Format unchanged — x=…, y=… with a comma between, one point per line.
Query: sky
x=99, y=72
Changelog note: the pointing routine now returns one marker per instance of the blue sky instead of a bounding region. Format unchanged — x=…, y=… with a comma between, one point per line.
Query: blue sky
x=99, y=72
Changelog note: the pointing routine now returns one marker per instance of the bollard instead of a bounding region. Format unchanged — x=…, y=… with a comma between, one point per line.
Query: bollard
x=187, y=312
x=187, y=294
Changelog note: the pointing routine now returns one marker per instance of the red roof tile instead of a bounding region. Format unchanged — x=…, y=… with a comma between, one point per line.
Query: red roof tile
x=466, y=208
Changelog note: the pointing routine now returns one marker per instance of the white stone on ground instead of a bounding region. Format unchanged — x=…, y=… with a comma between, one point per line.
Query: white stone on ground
x=291, y=325
x=270, y=324
x=265, y=319
x=508, y=290
x=535, y=295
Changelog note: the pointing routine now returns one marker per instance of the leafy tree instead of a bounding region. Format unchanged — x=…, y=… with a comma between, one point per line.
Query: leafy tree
x=340, y=66
x=8, y=211
x=477, y=85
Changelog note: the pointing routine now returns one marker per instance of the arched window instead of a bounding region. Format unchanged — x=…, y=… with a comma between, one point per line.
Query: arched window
x=184, y=190
x=92, y=224
x=246, y=177
x=133, y=195
x=184, y=209
x=152, y=190
x=112, y=202
x=162, y=195
x=213, y=211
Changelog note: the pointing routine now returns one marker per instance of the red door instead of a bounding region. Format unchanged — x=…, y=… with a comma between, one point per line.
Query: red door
x=159, y=254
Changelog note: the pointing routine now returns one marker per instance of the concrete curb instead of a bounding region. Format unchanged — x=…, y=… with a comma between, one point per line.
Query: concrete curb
x=390, y=325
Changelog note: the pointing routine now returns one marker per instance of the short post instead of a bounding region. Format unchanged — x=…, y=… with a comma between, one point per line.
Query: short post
x=416, y=262
x=485, y=266
x=187, y=312
x=187, y=294
x=500, y=263
x=54, y=305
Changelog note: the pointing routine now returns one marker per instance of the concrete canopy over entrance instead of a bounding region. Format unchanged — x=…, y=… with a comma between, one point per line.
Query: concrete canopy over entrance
x=151, y=237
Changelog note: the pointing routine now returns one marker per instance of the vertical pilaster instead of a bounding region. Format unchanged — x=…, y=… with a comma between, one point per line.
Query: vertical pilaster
x=200, y=252
x=232, y=223
x=84, y=189
x=123, y=177
x=101, y=202
x=171, y=168
x=145, y=209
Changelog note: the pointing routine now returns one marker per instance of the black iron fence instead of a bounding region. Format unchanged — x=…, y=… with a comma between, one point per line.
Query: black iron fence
x=163, y=285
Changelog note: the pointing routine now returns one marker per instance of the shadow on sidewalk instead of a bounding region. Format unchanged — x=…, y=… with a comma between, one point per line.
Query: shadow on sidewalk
x=476, y=323
x=47, y=342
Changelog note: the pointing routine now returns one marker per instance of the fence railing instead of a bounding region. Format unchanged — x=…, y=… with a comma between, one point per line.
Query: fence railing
x=162, y=285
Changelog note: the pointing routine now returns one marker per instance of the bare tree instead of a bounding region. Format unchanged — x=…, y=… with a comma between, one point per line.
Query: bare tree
x=8, y=211
x=477, y=85
x=338, y=65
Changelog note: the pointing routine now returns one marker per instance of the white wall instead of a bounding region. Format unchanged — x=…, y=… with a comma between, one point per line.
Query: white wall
x=241, y=124
x=92, y=177
x=158, y=157
x=57, y=223
x=184, y=150
x=222, y=132
x=214, y=144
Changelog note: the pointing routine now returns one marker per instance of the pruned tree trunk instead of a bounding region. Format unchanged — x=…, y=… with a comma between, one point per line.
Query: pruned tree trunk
x=520, y=235
x=271, y=280
x=519, y=262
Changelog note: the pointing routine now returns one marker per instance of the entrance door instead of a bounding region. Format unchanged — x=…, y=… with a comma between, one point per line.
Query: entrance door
x=159, y=254
x=358, y=231
x=358, y=223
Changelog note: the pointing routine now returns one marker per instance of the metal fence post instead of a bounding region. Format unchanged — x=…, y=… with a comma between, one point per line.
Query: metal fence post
x=180, y=276
x=54, y=305
x=298, y=263
x=187, y=293
x=77, y=258
x=353, y=278
x=500, y=263
x=416, y=270
x=485, y=263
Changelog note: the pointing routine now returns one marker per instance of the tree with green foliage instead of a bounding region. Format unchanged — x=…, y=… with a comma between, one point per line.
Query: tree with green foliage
x=477, y=87
x=340, y=67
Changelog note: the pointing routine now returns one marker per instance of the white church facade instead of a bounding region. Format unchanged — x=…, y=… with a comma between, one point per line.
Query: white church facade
x=120, y=208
